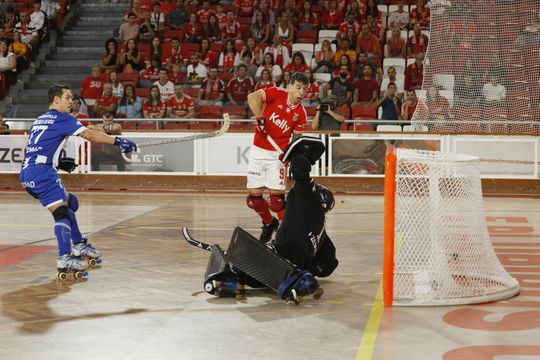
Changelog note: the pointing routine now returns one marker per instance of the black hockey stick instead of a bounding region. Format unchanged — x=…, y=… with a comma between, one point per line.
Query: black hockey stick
x=194, y=242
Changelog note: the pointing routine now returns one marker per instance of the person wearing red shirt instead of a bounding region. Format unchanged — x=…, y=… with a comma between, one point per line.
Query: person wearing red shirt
x=176, y=75
x=180, y=105
x=147, y=5
x=221, y=16
x=193, y=29
x=205, y=12
x=312, y=94
x=239, y=87
x=166, y=6
x=298, y=63
x=106, y=102
x=245, y=7
x=366, y=88
x=307, y=19
x=174, y=54
x=421, y=15
x=414, y=74
x=151, y=73
x=409, y=105
x=154, y=108
x=332, y=17
x=280, y=115
x=92, y=86
x=418, y=42
x=232, y=30
x=212, y=91
x=368, y=42
x=349, y=23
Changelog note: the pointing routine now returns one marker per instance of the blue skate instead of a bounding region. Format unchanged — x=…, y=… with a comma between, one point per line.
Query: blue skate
x=296, y=287
x=70, y=265
x=86, y=252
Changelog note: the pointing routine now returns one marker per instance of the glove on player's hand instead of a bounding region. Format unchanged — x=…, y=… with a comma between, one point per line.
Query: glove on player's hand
x=67, y=164
x=125, y=145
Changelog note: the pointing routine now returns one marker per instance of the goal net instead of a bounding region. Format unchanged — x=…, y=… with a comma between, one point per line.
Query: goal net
x=482, y=68
x=437, y=248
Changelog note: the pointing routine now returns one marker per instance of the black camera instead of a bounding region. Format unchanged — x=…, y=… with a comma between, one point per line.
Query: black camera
x=327, y=105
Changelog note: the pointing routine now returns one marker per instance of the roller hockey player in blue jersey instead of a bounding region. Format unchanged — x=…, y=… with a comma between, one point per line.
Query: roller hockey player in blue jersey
x=47, y=137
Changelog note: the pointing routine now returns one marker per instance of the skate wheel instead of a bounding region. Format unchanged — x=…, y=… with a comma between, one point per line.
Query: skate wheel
x=92, y=262
x=318, y=293
x=298, y=300
x=78, y=275
x=99, y=261
x=209, y=287
x=61, y=276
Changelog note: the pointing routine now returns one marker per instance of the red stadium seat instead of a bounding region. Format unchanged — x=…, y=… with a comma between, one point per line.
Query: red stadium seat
x=311, y=111
x=142, y=92
x=193, y=92
x=132, y=78
x=245, y=20
x=345, y=111
x=209, y=112
x=306, y=36
x=169, y=34
x=364, y=113
x=215, y=47
x=190, y=47
x=243, y=125
x=147, y=125
x=128, y=125
x=204, y=125
x=175, y=125
x=225, y=76
x=235, y=111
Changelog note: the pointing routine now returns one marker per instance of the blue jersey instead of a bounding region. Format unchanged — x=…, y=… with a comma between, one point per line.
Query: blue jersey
x=48, y=135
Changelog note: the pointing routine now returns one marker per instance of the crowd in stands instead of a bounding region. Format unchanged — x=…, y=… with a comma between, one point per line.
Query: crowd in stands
x=24, y=26
x=175, y=59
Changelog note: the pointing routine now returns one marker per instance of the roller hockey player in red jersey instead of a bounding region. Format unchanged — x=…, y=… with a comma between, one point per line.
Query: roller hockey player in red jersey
x=280, y=115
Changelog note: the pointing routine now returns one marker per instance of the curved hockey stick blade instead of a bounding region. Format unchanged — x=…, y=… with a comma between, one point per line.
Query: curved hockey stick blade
x=211, y=134
x=194, y=242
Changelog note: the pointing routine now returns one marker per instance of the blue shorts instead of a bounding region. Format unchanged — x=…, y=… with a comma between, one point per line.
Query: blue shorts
x=44, y=184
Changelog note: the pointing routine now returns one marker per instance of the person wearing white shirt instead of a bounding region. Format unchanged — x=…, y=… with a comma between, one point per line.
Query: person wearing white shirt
x=53, y=11
x=399, y=18
x=196, y=72
x=38, y=18
x=166, y=87
x=494, y=92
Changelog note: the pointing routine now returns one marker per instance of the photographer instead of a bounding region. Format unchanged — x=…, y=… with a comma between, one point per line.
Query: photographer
x=326, y=117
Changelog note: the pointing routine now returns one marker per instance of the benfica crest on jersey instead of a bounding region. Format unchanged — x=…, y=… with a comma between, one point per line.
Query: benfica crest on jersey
x=295, y=118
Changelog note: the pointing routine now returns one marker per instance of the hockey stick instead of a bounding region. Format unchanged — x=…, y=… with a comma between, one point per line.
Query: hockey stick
x=223, y=130
x=194, y=242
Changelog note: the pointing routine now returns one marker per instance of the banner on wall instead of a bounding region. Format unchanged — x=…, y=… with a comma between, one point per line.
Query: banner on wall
x=229, y=155
x=174, y=158
x=12, y=148
x=362, y=156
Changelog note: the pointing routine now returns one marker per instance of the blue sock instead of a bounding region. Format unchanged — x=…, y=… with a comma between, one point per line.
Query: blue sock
x=62, y=230
x=76, y=235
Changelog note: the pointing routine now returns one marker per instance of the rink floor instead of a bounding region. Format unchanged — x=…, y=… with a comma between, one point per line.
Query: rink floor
x=146, y=301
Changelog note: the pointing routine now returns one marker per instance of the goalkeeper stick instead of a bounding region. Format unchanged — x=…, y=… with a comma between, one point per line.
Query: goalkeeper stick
x=223, y=130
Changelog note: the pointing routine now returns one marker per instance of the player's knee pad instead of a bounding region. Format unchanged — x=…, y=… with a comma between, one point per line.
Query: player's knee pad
x=255, y=202
x=62, y=213
x=73, y=202
x=276, y=203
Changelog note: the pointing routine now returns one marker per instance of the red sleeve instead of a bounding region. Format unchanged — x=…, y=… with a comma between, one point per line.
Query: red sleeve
x=299, y=125
x=229, y=86
x=270, y=94
x=189, y=103
x=145, y=106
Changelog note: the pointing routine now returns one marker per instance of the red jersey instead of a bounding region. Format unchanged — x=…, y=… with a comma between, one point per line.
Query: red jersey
x=308, y=19
x=239, y=89
x=180, y=107
x=212, y=89
x=192, y=30
x=175, y=57
x=154, y=111
x=246, y=7
x=150, y=74
x=293, y=68
x=422, y=17
x=106, y=101
x=222, y=18
x=333, y=18
x=312, y=91
x=209, y=59
x=232, y=30
x=261, y=86
x=414, y=76
x=204, y=15
x=410, y=108
x=147, y=5
x=176, y=78
x=282, y=119
x=345, y=26
x=92, y=87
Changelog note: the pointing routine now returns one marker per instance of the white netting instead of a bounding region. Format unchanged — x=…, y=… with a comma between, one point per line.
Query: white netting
x=482, y=68
x=443, y=254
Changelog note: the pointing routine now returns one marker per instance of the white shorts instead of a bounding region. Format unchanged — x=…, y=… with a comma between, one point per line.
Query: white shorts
x=265, y=170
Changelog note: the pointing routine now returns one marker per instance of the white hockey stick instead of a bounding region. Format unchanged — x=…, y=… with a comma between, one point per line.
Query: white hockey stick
x=223, y=130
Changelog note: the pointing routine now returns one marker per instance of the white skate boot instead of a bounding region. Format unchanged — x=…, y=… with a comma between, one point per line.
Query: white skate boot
x=69, y=264
x=86, y=251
